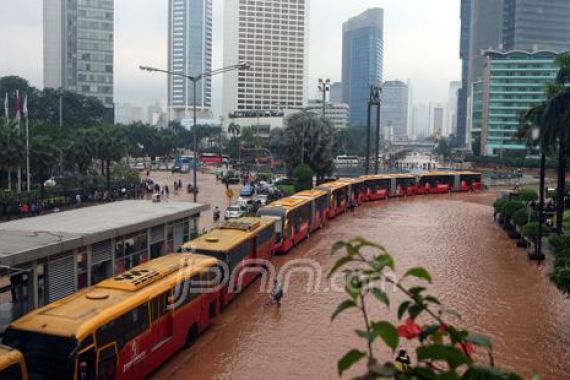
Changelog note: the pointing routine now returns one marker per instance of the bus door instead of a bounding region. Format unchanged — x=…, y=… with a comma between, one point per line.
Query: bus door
x=107, y=362
x=393, y=188
x=456, y=182
x=86, y=363
x=161, y=319
x=314, y=220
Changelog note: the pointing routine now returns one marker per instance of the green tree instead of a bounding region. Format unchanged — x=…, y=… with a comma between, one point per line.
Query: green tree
x=351, y=141
x=12, y=146
x=443, y=148
x=234, y=129
x=81, y=149
x=304, y=177
x=44, y=157
x=111, y=146
x=311, y=137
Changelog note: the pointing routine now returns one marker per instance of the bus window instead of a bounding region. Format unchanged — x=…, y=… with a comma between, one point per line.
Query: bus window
x=123, y=329
x=159, y=306
x=14, y=372
x=86, y=365
x=107, y=364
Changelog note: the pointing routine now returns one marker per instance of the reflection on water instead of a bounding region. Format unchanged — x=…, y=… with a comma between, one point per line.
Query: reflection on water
x=477, y=270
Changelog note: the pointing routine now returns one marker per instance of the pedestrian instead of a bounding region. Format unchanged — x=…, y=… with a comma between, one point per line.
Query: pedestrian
x=167, y=191
x=78, y=199
x=147, y=173
x=175, y=187
x=179, y=183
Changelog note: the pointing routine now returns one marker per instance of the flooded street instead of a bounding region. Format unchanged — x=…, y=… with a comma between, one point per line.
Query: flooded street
x=477, y=271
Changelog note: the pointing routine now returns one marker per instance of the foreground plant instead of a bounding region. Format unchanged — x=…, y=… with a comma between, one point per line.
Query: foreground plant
x=443, y=351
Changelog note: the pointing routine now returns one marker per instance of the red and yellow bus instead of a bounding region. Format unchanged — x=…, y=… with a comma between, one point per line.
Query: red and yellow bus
x=403, y=184
x=358, y=192
x=378, y=186
x=319, y=204
x=436, y=182
x=123, y=327
x=292, y=221
x=470, y=181
x=244, y=245
x=12, y=364
x=338, y=197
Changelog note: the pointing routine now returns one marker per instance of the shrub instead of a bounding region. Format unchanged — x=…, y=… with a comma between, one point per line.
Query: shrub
x=510, y=207
x=526, y=195
x=287, y=190
x=559, y=243
x=560, y=276
x=498, y=205
x=521, y=217
x=530, y=231
x=304, y=176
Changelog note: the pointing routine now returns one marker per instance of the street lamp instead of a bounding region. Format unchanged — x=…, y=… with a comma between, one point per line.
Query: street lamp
x=539, y=256
x=324, y=86
x=195, y=79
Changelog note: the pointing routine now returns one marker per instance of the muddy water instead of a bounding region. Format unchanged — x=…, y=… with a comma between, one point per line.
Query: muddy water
x=477, y=270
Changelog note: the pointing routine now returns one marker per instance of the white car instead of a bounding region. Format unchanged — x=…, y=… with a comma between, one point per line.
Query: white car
x=235, y=211
x=140, y=166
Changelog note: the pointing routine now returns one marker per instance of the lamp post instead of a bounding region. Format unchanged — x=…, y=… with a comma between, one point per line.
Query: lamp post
x=539, y=256
x=194, y=79
x=324, y=86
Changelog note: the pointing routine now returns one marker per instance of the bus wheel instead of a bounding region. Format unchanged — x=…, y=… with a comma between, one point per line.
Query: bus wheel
x=192, y=336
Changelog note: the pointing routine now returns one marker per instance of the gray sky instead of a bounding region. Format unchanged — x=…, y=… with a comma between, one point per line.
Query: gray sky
x=421, y=43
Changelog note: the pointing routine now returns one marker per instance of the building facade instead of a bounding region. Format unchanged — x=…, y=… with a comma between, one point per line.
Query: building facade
x=394, y=108
x=362, y=61
x=272, y=36
x=534, y=25
x=437, y=119
x=464, y=50
x=454, y=88
x=336, y=92
x=513, y=82
x=48, y=257
x=78, y=47
x=189, y=52
x=337, y=113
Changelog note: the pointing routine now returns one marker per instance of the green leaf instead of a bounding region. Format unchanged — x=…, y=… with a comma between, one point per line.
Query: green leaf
x=346, y=304
x=353, y=285
x=387, y=332
x=432, y=299
x=402, y=308
x=381, y=296
x=369, y=336
x=382, y=261
x=415, y=310
x=437, y=352
x=416, y=290
x=480, y=340
x=348, y=360
x=420, y=273
x=338, y=246
x=451, y=312
x=340, y=263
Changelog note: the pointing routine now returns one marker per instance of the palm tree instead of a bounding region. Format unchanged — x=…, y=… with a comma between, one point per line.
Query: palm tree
x=234, y=129
x=111, y=146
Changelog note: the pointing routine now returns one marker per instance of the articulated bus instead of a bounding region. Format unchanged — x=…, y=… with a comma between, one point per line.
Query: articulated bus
x=358, y=192
x=378, y=186
x=470, y=181
x=292, y=220
x=319, y=204
x=12, y=364
x=437, y=182
x=123, y=327
x=402, y=184
x=235, y=243
x=338, y=197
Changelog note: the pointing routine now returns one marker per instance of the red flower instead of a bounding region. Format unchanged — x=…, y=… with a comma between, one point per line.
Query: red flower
x=409, y=329
x=466, y=348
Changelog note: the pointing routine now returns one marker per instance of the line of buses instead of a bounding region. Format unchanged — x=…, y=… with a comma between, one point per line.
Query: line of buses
x=125, y=327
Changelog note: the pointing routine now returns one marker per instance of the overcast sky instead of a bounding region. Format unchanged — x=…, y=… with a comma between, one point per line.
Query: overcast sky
x=421, y=44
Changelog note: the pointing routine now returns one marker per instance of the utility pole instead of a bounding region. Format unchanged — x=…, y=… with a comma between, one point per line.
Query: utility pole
x=324, y=86
x=61, y=130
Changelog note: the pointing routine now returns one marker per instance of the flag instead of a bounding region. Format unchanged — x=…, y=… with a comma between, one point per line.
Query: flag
x=6, y=109
x=25, y=108
x=17, y=106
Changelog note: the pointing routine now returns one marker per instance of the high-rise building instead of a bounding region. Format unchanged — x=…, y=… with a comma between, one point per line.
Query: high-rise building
x=78, y=47
x=394, y=109
x=454, y=88
x=536, y=25
x=464, y=50
x=189, y=52
x=513, y=82
x=336, y=92
x=337, y=113
x=437, y=119
x=420, y=121
x=272, y=36
x=362, y=61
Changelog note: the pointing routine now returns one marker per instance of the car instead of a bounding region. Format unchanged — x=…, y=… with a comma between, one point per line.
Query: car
x=262, y=199
x=140, y=166
x=235, y=211
x=247, y=191
x=231, y=180
x=176, y=169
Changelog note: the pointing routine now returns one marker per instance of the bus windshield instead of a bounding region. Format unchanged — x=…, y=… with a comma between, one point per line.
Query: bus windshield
x=48, y=356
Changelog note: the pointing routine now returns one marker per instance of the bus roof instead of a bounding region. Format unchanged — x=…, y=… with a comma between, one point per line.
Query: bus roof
x=314, y=193
x=351, y=180
x=333, y=185
x=467, y=172
x=229, y=235
x=401, y=175
x=376, y=176
x=79, y=314
x=439, y=173
x=289, y=203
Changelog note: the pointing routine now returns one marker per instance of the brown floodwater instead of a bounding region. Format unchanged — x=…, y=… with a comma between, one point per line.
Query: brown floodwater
x=477, y=271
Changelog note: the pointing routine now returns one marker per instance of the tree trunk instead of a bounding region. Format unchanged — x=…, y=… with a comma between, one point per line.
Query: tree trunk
x=109, y=176
x=102, y=167
x=562, y=159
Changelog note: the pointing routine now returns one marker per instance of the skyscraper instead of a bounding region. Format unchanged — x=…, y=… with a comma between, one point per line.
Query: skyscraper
x=78, y=47
x=536, y=25
x=437, y=119
x=189, y=52
x=464, y=49
x=336, y=92
x=454, y=88
x=272, y=37
x=394, y=111
x=362, y=60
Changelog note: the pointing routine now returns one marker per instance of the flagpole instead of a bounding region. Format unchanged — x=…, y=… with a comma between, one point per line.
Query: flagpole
x=27, y=154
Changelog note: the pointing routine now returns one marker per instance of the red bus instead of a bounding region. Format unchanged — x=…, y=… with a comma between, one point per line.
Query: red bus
x=470, y=181
x=319, y=205
x=238, y=243
x=403, y=184
x=211, y=159
x=292, y=221
x=436, y=182
x=378, y=186
x=124, y=327
x=338, y=197
x=358, y=191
